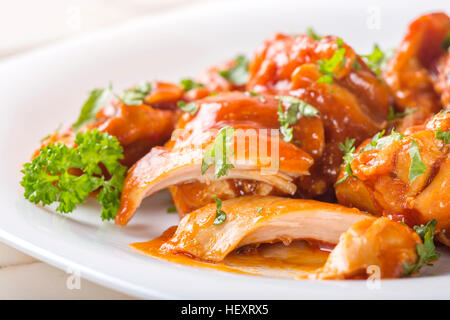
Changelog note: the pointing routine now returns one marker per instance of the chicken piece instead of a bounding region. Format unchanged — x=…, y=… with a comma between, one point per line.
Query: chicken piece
x=354, y=105
x=258, y=156
x=444, y=237
x=164, y=95
x=138, y=127
x=372, y=243
x=417, y=73
x=190, y=196
x=215, y=82
x=383, y=186
x=280, y=219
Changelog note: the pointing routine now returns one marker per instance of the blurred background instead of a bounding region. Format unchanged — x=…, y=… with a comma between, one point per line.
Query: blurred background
x=26, y=25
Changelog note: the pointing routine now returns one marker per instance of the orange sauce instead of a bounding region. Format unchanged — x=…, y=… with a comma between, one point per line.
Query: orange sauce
x=298, y=260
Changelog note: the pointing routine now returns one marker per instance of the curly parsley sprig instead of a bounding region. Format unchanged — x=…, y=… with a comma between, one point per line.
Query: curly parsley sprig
x=52, y=176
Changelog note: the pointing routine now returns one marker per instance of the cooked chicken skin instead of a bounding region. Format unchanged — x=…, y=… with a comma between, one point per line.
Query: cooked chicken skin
x=372, y=243
x=354, y=105
x=180, y=161
x=280, y=219
x=382, y=185
x=138, y=127
x=417, y=74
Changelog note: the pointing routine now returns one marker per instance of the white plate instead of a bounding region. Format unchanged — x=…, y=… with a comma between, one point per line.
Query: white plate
x=44, y=88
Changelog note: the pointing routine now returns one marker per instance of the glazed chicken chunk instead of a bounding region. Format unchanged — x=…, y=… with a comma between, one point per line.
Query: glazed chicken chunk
x=361, y=239
x=137, y=127
x=353, y=102
x=255, y=152
x=370, y=246
x=404, y=176
x=417, y=75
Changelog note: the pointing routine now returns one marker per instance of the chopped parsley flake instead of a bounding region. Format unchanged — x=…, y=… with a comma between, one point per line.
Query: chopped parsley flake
x=136, y=96
x=310, y=32
x=375, y=59
x=446, y=42
x=238, y=74
x=255, y=94
x=221, y=216
x=190, y=107
x=189, y=84
x=329, y=67
x=417, y=167
x=295, y=109
x=97, y=99
x=218, y=153
x=379, y=141
x=171, y=210
x=426, y=251
x=397, y=115
x=349, y=149
x=442, y=135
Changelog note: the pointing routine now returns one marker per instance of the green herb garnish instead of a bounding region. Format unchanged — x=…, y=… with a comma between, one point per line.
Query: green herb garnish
x=379, y=141
x=310, y=32
x=190, y=107
x=189, y=84
x=238, y=74
x=426, y=251
x=259, y=209
x=255, y=94
x=397, y=115
x=295, y=109
x=97, y=99
x=417, y=167
x=329, y=67
x=221, y=216
x=446, y=42
x=375, y=59
x=356, y=65
x=218, y=153
x=48, y=178
x=442, y=135
x=349, y=149
x=136, y=96
x=171, y=210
